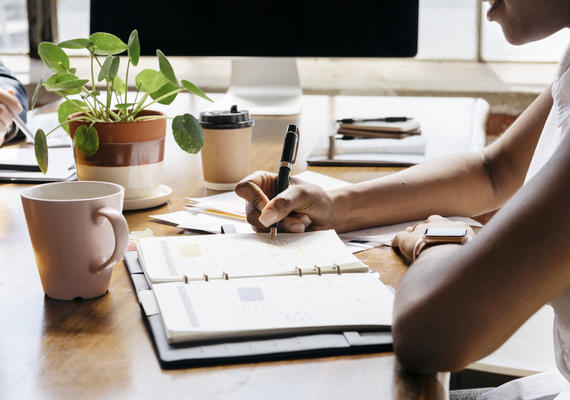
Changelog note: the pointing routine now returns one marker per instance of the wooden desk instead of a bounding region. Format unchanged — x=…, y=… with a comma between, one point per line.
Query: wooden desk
x=101, y=349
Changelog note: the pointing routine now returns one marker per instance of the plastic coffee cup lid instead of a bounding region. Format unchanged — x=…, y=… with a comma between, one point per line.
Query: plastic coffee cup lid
x=232, y=119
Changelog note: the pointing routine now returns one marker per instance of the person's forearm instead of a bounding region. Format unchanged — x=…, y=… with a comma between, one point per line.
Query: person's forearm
x=467, y=300
x=449, y=185
x=463, y=184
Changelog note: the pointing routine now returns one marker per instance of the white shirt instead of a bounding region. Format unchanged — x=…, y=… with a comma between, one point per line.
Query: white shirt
x=551, y=384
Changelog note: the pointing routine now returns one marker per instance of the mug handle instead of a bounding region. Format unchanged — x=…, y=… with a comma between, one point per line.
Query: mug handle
x=121, y=231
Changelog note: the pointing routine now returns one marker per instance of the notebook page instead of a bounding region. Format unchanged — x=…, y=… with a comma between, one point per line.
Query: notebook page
x=264, y=306
x=176, y=258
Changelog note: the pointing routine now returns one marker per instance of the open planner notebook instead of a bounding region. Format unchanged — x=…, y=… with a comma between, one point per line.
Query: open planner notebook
x=218, y=287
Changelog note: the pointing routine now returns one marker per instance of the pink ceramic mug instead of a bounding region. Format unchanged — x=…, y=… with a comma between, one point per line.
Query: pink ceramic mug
x=78, y=233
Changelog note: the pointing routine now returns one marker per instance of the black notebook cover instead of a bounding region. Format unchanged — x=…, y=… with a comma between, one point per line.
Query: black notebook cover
x=248, y=350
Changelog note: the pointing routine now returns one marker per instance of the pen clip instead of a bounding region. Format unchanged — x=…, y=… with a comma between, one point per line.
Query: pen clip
x=297, y=145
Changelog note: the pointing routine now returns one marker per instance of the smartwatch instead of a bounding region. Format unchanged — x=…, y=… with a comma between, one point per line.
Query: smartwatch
x=441, y=235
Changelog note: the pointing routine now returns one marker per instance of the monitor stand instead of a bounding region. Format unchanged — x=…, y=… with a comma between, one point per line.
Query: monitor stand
x=264, y=86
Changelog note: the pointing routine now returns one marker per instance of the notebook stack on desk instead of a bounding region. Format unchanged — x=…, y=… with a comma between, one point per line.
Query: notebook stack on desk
x=363, y=142
x=211, y=299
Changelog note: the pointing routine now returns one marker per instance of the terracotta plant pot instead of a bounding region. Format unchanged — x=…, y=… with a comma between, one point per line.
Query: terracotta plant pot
x=130, y=154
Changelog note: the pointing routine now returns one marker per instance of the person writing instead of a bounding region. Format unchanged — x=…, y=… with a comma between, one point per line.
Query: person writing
x=13, y=101
x=460, y=301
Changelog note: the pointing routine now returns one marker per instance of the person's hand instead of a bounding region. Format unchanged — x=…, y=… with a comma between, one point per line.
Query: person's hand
x=406, y=240
x=9, y=106
x=303, y=206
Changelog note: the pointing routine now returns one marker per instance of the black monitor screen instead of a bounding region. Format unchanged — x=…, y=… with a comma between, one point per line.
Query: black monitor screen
x=264, y=28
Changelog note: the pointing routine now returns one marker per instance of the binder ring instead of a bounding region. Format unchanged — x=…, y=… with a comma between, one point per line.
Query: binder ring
x=206, y=277
x=226, y=276
x=186, y=279
x=299, y=271
x=337, y=267
x=318, y=269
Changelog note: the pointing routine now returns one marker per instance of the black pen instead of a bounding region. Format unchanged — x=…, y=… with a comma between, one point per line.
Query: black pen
x=385, y=119
x=288, y=157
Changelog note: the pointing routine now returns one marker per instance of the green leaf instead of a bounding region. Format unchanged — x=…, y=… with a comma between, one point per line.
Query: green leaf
x=107, y=44
x=41, y=150
x=114, y=68
x=75, y=44
x=104, y=71
x=53, y=57
x=166, y=68
x=86, y=140
x=194, y=89
x=67, y=108
x=64, y=83
x=124, y=106
x=188, y=133
x=134, y=47
x=165, y=89
x=149, y=80
x=36, y=92
x=118, y=85
x=109, y=68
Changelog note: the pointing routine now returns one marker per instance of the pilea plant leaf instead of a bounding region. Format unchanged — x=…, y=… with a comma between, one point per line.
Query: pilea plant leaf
x=109, y=68
x=86, y=140
x=124, y=106
x=53, y=57
x=36, y=92
x=188, y=133
x=165, y=89
x=107, y=44
x=194, y=89
x=134, y=48
x=65, y=83
x=149, y=80
x=114, y=69
x=67, y=108
x=41, y=150
x=166, y=68
x=118, y=85
x=75, y=44
x=104, y=71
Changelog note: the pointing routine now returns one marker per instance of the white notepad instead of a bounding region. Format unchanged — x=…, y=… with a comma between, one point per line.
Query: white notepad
x=223, y=286
x=194, y=258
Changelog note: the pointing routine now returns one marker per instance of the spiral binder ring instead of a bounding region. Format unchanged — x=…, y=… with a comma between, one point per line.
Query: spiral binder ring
x=337, y=267
x=206, y=277
x=299, y=271
x=186, y=279
x=226, y=276
x=318, y=269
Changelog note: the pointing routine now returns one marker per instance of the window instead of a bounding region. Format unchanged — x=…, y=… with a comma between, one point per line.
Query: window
x=448, y=30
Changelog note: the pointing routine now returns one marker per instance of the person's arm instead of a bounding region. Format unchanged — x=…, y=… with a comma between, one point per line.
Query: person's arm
x=13, y=99
x=464, y=184
x=457, y=304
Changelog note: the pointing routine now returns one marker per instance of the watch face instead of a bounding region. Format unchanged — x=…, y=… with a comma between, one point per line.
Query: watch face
x=445, y=232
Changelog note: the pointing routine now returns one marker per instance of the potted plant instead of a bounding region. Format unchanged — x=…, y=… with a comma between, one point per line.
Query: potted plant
x=115, y=138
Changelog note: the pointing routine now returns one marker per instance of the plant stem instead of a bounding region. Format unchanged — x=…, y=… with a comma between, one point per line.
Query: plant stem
x=86, y=113
x=82, y=118
x=127, y=80
x=109, y=94
x=137, y=108
x=164, y=96
x=93, y=80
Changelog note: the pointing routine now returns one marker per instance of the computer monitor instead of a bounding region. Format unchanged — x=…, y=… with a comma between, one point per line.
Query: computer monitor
x=264, y=37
